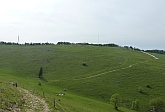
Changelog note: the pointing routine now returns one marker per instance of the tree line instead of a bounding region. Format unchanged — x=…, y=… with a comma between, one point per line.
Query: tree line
x=69, y=43
x=154, y=105
x=26, y=44
x=156, y=51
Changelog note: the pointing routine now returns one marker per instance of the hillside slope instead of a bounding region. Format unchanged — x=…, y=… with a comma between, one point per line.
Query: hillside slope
x=108, y=70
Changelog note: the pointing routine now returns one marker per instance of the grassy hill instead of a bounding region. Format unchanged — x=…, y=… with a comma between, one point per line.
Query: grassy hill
x=109, y=70
x=9, y=95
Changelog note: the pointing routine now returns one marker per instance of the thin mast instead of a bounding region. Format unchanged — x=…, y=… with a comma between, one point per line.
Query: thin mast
x=18, y=39
x=98, y=39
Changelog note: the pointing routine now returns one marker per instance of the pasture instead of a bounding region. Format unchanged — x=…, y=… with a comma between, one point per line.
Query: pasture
x=108, y=70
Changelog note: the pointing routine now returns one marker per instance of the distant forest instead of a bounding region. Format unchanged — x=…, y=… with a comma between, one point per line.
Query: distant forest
x=68, y=43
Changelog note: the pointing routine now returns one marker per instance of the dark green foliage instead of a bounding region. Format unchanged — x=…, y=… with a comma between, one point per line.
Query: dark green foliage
x=156, y=51
x=157, y=105
x=40, y=72
x=39, y=83
x=63, y=43
x=135, y=105
x=115, y=100
x=140, y=89
x=84, y=64
x=148, y=86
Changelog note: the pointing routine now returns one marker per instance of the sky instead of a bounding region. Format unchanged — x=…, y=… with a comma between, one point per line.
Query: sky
x=137, y=23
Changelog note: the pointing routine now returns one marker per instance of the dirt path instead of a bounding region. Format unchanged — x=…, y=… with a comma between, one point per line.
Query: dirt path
x=108, y=72
x=33, y=103
x=93, y=76
x=150, y=55
x=117, y=69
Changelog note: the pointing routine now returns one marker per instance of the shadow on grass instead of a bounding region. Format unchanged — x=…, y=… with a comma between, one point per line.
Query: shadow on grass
x=149, y=87
x=144, y=93
x=43, y=79
x=119, y=110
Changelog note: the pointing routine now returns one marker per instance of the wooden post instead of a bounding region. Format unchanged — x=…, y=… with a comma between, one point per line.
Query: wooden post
x=43, y=94
x=33, y=91
x=54, y=102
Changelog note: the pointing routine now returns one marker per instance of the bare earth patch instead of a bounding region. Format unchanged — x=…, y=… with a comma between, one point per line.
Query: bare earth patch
x=33, y=103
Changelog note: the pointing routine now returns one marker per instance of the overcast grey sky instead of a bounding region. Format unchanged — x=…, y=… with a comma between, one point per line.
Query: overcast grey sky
x=139, y=23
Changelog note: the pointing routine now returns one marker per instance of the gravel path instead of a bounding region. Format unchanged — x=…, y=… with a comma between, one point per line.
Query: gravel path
x=33, y=103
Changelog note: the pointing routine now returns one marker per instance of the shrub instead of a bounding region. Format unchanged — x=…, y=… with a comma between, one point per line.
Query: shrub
x=140, y=90
x=115, y=100
x=157, y=105
x=39, y=83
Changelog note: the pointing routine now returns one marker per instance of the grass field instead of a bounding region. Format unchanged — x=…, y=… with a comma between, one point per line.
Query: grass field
x=88, y=88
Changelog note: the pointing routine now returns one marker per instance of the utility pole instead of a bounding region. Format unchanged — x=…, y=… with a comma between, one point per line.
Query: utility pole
x=98, y=39
x=18, y=39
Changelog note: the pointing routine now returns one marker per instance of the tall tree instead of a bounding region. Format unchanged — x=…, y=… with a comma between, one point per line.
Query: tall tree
x=40, y=72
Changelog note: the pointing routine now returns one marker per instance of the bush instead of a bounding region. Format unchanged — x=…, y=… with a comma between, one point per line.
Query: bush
x=140, y=89
x=135, y=105
x=39, y=83
x=84, y=64
x=115, y=100
x=157, y=105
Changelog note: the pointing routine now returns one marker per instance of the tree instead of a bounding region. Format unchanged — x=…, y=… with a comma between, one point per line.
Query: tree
x=135, y=105
x=140, y=89
x=157, y=105
x=115, y=100
x=40, y=72
x=131, y=47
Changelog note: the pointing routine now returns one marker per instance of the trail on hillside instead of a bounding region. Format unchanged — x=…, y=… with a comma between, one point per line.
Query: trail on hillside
x=33, y=103
x=150, y=55
x=117, y=69
x=109, y=71
x=93, y=76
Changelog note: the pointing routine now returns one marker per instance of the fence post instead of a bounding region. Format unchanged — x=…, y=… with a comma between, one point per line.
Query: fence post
x=54, y=102
x=43, y=94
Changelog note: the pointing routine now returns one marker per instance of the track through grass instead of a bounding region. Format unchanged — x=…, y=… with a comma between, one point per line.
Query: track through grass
x=87, y=88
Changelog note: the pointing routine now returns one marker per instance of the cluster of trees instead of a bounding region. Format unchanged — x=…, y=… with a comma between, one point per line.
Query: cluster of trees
x=8, y=43
x=32, y=44
x=108, y=45
x=150, y=51
x=132, y=48
x=113, y=45
x=26, y=44
x=68, y=43
x=155, y=105
x=64, y=43
x=156, y=51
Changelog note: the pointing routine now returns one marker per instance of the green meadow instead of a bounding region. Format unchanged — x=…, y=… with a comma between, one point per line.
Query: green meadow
x=108, y=70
